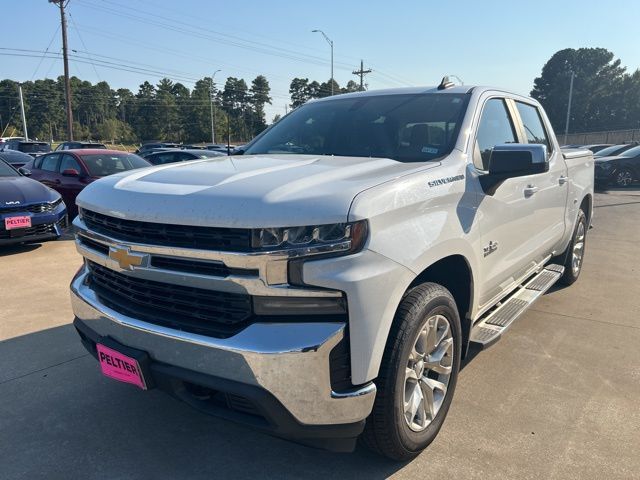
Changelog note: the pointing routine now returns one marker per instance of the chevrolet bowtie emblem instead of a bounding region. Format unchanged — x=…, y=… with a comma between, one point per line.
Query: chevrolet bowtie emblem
x=125, y=258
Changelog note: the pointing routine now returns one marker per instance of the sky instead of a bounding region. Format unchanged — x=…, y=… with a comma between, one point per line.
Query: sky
x=405, y=43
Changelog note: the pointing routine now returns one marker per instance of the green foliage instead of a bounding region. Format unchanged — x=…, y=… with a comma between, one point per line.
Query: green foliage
x=605, y=97
x=166, y=111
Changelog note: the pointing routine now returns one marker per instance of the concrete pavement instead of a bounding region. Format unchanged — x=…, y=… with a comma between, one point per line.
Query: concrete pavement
x=557, y=397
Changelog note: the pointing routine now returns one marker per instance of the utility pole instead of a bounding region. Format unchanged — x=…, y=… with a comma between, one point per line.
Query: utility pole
x=213, y=108
x=361, y=73
x=566, y=127
x=330, y=42
x=65, y=57
x=24, y=119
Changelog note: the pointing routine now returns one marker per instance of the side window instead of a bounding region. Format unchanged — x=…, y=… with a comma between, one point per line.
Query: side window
x=495, y=128
x=183, y=157
x=163, y=158
x=50, y=162
x=533, y=126
x=37, y=163
x=68, y=162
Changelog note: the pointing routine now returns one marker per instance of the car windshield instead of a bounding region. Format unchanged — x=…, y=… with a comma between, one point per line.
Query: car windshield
x=103, y=164
x=632, y=152
x=7, y=171
x=405, y=127
x=613, y=150
x=34, y=147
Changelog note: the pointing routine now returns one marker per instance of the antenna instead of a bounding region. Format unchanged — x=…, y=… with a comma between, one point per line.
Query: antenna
x=445, y=83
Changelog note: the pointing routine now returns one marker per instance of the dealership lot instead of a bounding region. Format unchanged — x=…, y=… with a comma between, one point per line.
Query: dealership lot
x=557, y=397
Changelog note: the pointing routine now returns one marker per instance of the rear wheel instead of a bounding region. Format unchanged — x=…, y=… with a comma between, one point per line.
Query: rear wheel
x=574, y=255
x=418, y=374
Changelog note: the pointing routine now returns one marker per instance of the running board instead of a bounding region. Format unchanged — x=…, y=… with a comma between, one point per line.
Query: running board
x=493, y=324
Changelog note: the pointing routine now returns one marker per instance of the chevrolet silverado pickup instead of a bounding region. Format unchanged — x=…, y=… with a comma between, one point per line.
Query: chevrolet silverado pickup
x=324, y=284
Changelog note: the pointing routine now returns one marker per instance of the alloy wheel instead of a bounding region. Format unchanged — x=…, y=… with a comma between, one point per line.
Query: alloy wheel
x=428, y=372
x=578, y=249
x=624, y=178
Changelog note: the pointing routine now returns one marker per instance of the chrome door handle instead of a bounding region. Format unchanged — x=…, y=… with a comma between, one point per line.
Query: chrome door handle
x=563, y=179
x=530, y=190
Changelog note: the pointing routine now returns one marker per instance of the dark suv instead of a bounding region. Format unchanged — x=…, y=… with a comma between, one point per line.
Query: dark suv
x=25, y=146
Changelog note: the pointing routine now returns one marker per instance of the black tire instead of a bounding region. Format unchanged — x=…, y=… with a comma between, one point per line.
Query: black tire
x=623, y=178
x=570, y=274
x=387, y=432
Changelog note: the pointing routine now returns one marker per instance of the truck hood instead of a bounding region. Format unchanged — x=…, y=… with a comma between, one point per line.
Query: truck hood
x=249, y=191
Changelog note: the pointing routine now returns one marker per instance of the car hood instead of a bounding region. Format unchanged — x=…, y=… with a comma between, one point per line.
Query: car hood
x=247, y=191
x=25, y=191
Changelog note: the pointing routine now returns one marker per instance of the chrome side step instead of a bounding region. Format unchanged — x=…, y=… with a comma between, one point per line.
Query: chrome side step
x=493, y=324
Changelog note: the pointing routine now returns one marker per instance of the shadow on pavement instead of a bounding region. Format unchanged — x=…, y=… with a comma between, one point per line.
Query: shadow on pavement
x=66, y=420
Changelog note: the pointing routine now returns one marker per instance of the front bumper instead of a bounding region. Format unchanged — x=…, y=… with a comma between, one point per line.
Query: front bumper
x=44, y=226
x=283, y=368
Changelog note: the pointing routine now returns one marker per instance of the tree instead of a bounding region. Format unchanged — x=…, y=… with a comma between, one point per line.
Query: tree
x=259, y=97
x=598, y=92
x=299, y=91
x=351, y=87
x=276, y=118
x=145, y=123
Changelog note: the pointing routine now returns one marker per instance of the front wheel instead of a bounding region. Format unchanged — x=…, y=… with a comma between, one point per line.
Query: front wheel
x=418, y=374
x=623, y=178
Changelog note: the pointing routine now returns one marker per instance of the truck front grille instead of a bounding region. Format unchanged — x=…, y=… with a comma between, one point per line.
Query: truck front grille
x=195, y=310
x=206, y=238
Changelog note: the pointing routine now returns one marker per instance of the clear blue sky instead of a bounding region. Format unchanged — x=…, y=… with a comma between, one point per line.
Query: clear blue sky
x=502, y=43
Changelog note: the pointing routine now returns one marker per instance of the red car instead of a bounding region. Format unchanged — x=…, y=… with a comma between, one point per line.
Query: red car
x=70, y=171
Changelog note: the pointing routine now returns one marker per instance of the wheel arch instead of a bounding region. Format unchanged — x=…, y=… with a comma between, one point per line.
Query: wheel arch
x=455, y=274
x=587, y=206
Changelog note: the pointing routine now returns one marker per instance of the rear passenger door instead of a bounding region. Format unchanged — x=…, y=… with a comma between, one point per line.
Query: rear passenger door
x=508, y=216
x=46, y=170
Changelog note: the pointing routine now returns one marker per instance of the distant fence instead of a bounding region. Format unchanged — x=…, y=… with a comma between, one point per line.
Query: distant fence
x=612, y=136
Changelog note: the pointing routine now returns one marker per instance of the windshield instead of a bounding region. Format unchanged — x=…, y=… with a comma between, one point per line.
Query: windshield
x=34, y=147
x=103, y=164
x=614, y=150
x=407, y=128
x=632, y=152
x=7, y=171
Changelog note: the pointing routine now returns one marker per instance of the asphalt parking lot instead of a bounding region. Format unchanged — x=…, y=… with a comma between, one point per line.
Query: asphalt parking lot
x=557, y=397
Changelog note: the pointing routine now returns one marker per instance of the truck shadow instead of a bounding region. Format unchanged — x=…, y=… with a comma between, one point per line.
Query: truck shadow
x=63, y=416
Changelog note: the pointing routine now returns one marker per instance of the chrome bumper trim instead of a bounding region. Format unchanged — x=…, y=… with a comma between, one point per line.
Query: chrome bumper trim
x=290, y=360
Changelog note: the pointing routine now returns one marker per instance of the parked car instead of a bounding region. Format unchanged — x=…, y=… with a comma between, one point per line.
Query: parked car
x=15, y=158
x=621, y=170
x=614, y=150
x=29, y=211
x=146, y=153
x=596, y=147
x=79, y=145
x=150, y=145
x=33, y=148
x=172, y=156
x=70, y=171
x=219, y=147
x=324, y=295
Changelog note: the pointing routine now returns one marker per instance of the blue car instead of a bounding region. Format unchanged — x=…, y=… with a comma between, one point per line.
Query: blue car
x=29, y=211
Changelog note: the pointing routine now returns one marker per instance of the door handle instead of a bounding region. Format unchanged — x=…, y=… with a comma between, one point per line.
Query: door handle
x=530, y=190
x=563, y=179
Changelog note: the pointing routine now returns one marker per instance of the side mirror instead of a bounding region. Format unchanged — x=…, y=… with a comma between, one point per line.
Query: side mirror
x=70, y=172
x=24, y=171
x=514, y=160
x=518, y=160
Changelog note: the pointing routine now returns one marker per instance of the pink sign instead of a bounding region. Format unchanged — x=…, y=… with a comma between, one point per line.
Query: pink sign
x=120, y=367
x=11, y=223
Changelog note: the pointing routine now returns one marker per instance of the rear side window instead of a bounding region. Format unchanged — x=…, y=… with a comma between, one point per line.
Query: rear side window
x=495, y=128
x=533, y=126
x=50, y=163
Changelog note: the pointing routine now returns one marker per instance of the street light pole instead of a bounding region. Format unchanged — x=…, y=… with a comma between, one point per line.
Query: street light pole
x=566, y=127
x=330, y=42
x=213, y=111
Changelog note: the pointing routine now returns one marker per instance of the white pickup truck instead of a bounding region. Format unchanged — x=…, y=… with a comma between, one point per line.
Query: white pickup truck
x=326, y=283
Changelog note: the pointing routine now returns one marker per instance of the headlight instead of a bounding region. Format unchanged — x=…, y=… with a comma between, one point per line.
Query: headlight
x=313, y=239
